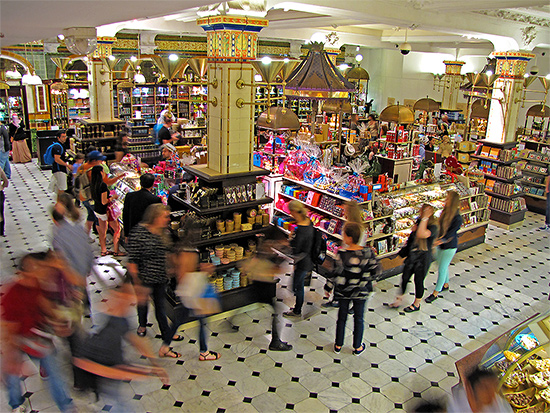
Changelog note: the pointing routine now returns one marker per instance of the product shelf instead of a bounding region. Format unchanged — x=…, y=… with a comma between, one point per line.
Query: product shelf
x=230, y=237
x=498, y=178
x=532, y=183
x=533, y=172
x=535, y=196
x=321, y=191
x=222, y=208
x=485, y=158
x=311, y=206
x=491, y=193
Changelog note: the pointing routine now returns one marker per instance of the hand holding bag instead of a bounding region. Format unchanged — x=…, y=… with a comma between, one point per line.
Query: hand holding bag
x=113, y=211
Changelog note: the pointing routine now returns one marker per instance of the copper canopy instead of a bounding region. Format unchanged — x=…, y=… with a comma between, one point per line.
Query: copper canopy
x=317, y=78
x=336, y=106
x=279, y=119
x=357, y=73
x=397, y=113
x=427, y=105
x=539, y=111
x=480, y=109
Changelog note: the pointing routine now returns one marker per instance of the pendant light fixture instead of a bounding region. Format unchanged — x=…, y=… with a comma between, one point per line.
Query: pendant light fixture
x=13, y=74
x=30, y=79
x=139, y=78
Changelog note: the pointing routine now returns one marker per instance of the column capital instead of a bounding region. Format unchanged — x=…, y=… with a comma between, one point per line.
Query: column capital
x=232, y=37
x=453, y=67
x=104, y=47
x=512, y=64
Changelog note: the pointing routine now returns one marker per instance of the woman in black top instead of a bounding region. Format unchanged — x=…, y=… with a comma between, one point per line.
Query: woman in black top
x=418, y=253
x=450, y=222
x=356, y=268
x=102, y=198
x=301, y=242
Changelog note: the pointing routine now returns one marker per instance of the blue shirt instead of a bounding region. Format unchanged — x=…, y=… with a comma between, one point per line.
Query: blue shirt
x=71, y=240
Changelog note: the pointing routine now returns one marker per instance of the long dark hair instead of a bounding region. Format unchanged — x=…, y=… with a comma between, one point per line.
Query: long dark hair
x=96, y=181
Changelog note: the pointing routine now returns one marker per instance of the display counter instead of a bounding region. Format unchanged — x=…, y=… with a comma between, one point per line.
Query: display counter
x=520, y=357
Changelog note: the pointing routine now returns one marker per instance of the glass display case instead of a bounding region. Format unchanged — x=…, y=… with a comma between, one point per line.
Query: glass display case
x=521, y=358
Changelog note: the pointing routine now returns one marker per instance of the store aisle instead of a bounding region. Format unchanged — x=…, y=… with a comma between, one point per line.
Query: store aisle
x=409, y=356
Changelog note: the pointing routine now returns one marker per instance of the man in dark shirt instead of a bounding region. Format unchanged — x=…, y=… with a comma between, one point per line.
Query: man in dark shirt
x=137, y=202
x=60, y=165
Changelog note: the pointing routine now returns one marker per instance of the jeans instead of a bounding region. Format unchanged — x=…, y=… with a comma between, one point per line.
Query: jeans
x=444, y=258
x=417, y=263
x=91, y=214
x=158, y=293
x=5, y=163
x=184, y=313
x=298, y=289
x=56, y=384
x=358, y=321
x=2, y=220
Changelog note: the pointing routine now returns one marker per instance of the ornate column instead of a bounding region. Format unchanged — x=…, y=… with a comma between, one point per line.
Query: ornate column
x=505, y=102
x=231, y=42
x=451, y=84
x=99, y=77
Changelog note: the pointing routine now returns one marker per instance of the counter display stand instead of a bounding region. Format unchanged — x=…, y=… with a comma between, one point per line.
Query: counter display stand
x=388, y=218
x=521, y=358
x=506, y=203
x=140, y=140
x=102, y=135
x=534, y=166
x=208, y=218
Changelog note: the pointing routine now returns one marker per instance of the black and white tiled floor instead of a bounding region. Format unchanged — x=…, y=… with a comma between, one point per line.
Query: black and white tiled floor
x=494, y=286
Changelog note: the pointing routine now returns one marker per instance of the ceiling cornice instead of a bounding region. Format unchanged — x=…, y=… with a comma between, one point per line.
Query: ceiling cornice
x=516, y=17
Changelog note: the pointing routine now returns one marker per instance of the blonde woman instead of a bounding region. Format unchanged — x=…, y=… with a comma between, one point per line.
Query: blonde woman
x=450, y=222
x=301, y=241
x=418, y=256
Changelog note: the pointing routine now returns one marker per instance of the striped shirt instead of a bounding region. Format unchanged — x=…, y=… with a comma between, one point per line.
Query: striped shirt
x=149, y=252
x=355, y=270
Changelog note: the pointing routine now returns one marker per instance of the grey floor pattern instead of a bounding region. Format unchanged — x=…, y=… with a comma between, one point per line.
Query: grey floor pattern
x=409, y=357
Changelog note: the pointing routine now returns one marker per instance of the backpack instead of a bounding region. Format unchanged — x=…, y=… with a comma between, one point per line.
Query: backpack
x=319, y=249
x=82, y=184
x=48, y=156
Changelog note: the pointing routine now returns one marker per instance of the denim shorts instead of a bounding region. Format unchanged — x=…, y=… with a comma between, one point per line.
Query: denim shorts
x=91, y=215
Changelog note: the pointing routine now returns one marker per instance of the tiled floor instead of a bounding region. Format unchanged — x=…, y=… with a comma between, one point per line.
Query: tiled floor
x=494, y=286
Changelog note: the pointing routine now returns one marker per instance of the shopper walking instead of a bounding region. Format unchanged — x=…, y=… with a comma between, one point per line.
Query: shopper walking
x=356, y=268
x=418, y=256
x=149, y=250
x=450, y=222
x=546, y=225
x=135, y=203
x=24, y=311
x=5, y=148
x=372, y=128
x=20, y=150
x=301, y=241
x=193, y=291
x=3, y=184
x=60, y=166
x=102, y=198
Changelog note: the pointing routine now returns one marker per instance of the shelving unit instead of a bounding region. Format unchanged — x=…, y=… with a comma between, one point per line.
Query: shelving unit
x=102, y=135
x=495, y=161
x=140, y=141
x=534, y=166
x=59, y=108
x=207, y=235
x=78, y=106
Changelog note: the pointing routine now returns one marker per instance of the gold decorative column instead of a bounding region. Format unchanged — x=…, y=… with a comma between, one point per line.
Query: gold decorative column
x=99, y=77
x=451, y=84
x=232, y=41
x=506, y=94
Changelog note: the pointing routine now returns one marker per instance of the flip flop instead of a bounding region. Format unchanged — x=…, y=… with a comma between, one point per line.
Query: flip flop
x=411, y=308
x=211, y=355
x=170, y=354
x=105, y=253
x=120, y=254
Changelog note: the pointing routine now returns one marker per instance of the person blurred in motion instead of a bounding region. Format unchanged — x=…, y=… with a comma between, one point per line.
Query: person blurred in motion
x=356, y=268
x=102, y=197
x=26, y=313
x=149, y=249
x=5, y=148
x=261, y=270
x=430, y=407
x=478, y=394
x=121, y=148
x=450, y=222
x=136, y=202
x=301, y=241
x=3, y=184
x=196, y=294
x=100, y=358
x=418, y=256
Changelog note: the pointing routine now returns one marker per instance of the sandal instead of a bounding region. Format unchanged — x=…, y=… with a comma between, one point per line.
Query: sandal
x=177, y=337
x=210, y=355
x=170, y=354
x=141, y=331
x=431, y=298
x=411, y=308
x=120, y=254
x=337, y=349
x=395, y=304
x=105, y=253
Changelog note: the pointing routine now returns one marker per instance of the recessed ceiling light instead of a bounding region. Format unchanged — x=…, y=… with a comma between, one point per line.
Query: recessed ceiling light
x=173, y=57
x=359, y=57
x=489, y=72
x=133, y=59
x=286, y=60
x=61, y=37
x=343, y=66
x=266, y=60
x=258, y=77
x=111, y=57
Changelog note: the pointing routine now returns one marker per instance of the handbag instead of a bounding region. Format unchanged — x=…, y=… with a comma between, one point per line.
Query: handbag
x=39, y=344
x=113, y=211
